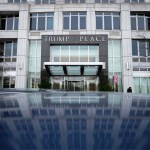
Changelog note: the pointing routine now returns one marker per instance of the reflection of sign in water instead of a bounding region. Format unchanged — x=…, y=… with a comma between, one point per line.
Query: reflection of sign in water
x=115, y=79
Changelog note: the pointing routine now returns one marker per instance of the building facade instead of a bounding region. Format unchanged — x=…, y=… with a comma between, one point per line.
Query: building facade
x=75, y=44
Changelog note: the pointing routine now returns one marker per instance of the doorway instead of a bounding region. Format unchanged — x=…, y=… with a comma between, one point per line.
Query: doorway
x=80, y=83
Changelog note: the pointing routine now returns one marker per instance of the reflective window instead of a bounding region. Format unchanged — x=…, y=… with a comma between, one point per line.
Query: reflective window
x=142, y=85
x=41, y=21
x=107, y=20
x=8, y=51
x=140, y=21
x=135, y=1
x=114, y=61
x=34, y=63
x=74, y=1
x=45, y=1
x=140, y=50
x=104, y=1
x=74, y=53
x=9, y=22
x=74, y=20
x=17, y=1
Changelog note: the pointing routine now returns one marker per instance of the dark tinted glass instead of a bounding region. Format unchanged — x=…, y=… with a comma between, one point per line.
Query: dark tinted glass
x=134, y=48
x=107, y=23
x=74, y=22
x=133, y=23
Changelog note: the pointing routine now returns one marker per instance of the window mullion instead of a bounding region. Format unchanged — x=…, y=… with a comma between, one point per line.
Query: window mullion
x=103, y=24
x=46, y=21
x=78, y=21
x=37, y=21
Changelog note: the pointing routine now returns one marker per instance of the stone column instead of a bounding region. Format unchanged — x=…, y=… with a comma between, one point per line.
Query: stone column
x=22, y=48
x=127, y=72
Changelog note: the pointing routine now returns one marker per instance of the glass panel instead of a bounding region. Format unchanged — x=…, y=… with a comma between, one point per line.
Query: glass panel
x=136, y=85
x=74, y=53
x=55, y=53
x=32, y=64
x=116, y=48
x=110, y=48
x=110, y=64
x=83, y=53
x=116, y=22
x=65, y=53
x=93, y=53
x=134, y=48
x=74, y=22
x=90, y=70
x=142, y=48
x=99, y=22
x=56, y=70
x=16, y=23
x=49, y=23
x=147, y=21
x=82, y=23
x=38, y=48
x=66, y=23
x=9, y=23
x=12, y=84
x=8, y=49
x=73, y=70
x=107, y=23
x=32, y=52
x=38, y=66
x=74, y=1
x=33, y=23
x=133, y=23
x=6, y=82
x=41, y=23
x=117, y=65
x=14, y=49
x=144, y=86
x=141, y=23
x=3, y=24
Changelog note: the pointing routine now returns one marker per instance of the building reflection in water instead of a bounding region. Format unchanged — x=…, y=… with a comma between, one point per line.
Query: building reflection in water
x=74, y=121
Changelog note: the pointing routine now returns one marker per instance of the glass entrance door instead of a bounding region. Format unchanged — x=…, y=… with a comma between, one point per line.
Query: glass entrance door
x=75, y=86
x=75, y=83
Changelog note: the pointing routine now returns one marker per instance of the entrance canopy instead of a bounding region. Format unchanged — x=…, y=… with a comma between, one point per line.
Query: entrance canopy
x=74, y=68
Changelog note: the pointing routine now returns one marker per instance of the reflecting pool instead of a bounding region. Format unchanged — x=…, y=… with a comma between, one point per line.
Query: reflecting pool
x=58, y=120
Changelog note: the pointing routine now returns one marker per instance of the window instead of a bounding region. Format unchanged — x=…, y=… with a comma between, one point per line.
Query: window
x=74, y=1
x=74, y=20
x=34, y=63
x=141, y=50
x=41, y=21
x=104, y=1
x=74, y=53
x=8, y=51
x=141, y=85
x=107, y=20
x=140, y=21
x=9, y=22
x=17, y=1
x=45, y=1
x=135, y=1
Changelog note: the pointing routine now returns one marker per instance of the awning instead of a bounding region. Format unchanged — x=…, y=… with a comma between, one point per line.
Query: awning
x=74, y=68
